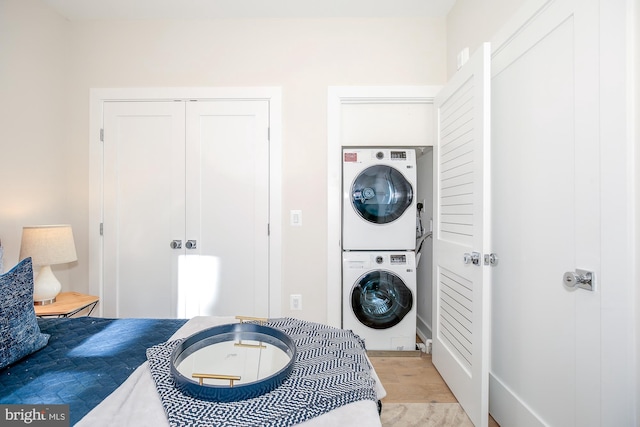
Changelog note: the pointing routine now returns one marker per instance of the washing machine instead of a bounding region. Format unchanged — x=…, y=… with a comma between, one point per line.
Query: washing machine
x=379, y=298
x=379, y=206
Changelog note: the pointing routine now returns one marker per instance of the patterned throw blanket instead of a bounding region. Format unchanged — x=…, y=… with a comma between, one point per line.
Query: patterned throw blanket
x=330, y=370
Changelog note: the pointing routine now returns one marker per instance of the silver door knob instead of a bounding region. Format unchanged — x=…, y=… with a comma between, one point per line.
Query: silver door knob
x=471, y=258
x=176, y=244
x=579, y=279
x=191, y=244
x=491, y=259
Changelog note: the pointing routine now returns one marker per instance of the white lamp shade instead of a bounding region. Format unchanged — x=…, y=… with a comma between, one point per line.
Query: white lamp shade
x=48, y=244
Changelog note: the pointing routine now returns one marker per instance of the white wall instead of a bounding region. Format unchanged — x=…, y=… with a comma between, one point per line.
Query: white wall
x=424, y=271
x=472, y=22
x=303, y=56
x=36, y=161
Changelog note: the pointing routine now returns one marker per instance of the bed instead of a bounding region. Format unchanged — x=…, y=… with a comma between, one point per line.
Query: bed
x=106, y=370
x=84, y=361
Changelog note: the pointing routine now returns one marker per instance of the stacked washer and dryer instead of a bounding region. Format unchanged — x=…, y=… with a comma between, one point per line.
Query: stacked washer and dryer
x=378, y=246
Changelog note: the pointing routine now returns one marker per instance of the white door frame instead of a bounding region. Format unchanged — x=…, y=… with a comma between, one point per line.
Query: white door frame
x=337, y=96
x=271, y=94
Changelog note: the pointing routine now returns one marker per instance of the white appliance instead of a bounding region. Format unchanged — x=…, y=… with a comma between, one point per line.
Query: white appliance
x=379, y=199
x=379, y=298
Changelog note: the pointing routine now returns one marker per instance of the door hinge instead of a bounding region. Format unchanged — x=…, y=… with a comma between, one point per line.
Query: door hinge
x=101, y=228
x=269, y=134
x=102, y=135
x=268, y=229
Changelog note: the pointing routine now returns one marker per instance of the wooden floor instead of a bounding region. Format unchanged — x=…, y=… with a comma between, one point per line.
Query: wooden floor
x=413, y=380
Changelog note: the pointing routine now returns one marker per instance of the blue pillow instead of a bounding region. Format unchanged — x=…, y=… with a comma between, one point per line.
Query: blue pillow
x=19, y=331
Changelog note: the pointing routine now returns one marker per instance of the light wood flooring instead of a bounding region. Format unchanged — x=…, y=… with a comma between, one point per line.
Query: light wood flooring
x=412, y=379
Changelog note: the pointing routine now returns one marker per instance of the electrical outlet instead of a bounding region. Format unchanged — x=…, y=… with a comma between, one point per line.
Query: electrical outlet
x=295, y=302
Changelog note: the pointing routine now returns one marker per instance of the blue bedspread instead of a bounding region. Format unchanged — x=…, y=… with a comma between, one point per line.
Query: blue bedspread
x=86, y=359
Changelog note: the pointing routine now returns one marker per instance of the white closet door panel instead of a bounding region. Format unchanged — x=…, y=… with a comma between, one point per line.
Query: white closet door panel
x=461, y=317
x=143, y=207
x=227, y=195
x=546, y=212
x=533, y=197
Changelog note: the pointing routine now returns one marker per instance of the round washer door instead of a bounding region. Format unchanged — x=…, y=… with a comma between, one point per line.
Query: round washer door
x=380, y=299
x=380, y=194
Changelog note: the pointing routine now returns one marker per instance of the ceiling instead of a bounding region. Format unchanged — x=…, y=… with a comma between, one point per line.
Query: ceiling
x=76, y=10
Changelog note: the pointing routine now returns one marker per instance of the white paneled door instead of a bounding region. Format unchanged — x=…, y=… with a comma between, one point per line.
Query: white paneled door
x=461, y=236
x=186, y=208
x=547, y=367
x=143, y=210
x=227, y=209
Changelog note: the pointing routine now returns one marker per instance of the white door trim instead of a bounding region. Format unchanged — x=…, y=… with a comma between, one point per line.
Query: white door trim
x=337, y=96
x=271, y=94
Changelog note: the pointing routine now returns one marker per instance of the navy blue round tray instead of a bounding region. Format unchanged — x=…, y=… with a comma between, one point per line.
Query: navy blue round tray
x=232, y=332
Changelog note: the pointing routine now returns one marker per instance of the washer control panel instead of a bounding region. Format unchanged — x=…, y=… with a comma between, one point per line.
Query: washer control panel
x=398, y=259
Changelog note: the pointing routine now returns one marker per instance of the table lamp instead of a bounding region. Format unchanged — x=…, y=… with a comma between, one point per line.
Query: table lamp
x=47, y=245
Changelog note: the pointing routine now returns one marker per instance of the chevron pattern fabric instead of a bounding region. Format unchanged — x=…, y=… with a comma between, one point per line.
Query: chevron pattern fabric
x=330, y=370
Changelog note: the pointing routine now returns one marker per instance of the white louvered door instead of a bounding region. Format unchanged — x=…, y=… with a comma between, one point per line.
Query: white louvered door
x=461, y=316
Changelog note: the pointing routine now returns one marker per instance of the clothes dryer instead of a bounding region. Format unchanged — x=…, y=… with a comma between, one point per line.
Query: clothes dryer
x=379, y=298
x=379, y=206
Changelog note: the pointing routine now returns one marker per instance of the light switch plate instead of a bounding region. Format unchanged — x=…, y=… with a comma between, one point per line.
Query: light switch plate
x=296, y=218
x=295, y=302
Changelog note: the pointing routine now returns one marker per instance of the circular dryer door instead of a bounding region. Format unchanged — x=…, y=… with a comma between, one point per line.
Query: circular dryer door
x=380, y=194
x=380, y=299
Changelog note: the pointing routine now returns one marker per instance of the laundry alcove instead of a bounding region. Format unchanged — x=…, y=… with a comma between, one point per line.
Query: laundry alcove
x=380, y=117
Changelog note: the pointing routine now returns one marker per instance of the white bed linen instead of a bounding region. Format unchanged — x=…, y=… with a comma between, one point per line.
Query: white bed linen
x=137, y=403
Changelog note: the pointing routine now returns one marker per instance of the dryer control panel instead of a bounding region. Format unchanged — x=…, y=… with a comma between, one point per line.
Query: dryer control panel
x=397, y=259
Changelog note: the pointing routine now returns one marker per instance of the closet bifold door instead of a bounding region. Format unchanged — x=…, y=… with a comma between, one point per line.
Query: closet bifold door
x=143, y=207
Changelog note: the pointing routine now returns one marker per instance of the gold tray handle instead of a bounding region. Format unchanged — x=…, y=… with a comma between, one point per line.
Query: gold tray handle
x=241, y=344
x=260, y=320
x=230, y=378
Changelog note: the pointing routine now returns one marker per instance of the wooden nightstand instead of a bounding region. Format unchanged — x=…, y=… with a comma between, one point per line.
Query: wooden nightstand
x=67, y=304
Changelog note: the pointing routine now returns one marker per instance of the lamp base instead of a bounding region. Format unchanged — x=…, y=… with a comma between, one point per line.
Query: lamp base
x=45, y=287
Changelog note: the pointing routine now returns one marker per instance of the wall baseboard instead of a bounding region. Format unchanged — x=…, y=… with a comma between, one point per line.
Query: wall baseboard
x=423, y=330
x=508, y=409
